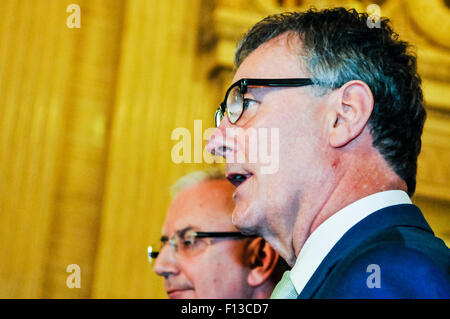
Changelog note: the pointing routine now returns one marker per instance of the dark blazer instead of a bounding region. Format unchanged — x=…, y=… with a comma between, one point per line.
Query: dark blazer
x=408, y=259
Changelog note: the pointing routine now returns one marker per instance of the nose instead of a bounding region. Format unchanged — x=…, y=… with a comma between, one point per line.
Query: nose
x=166, y=264
x=219, y=143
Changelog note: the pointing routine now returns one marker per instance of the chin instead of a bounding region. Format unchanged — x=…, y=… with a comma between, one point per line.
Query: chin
x=182, y=294
x=245, y=218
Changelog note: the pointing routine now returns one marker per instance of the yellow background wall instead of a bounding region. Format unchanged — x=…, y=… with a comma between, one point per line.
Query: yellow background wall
x=86, y=117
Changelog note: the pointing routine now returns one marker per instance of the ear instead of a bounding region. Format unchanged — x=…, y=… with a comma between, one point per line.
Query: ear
x=263, y=259
x=352, y=109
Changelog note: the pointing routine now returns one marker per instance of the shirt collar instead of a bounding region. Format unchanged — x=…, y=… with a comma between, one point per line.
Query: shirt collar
x=324, y=237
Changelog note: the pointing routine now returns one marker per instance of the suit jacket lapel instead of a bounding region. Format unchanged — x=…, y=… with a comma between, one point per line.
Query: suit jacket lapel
x=392, y=216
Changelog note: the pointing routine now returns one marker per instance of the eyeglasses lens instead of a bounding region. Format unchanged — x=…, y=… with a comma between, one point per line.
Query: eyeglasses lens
x=235, y=104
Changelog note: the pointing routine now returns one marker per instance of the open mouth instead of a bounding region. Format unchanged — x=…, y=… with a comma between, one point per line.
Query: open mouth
x=237, y=179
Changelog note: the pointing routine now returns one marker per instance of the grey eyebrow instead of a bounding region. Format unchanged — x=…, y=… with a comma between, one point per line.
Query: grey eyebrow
x=181, y=232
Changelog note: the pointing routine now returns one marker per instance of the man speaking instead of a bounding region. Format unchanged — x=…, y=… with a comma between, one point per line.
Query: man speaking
x=347, y=101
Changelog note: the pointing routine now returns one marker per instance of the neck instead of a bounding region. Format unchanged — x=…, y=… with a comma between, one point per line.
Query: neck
x=356, y=178
x=264, y=291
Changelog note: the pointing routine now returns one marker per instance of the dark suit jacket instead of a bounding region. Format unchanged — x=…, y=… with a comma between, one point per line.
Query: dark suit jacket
x=411, y=261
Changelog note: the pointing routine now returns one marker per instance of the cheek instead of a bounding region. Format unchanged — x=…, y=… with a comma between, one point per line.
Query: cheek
x=300, y=144
x=296, y=157
x=222, y=275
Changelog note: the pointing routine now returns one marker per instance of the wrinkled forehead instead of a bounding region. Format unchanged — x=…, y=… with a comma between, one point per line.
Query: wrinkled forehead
x=205, y=207
x=276, y=58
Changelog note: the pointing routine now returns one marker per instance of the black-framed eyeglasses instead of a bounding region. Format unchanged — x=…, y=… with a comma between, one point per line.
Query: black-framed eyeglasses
x=189, y=242
x=234, y=103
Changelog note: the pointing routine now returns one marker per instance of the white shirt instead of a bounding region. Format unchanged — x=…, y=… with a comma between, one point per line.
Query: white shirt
x=324, y=237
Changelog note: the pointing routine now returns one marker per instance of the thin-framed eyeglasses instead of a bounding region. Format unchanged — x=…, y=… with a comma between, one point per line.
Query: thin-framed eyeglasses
x=235, y=104
x=188, y=242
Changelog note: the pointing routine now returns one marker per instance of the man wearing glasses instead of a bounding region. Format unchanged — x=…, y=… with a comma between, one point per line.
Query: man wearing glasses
x=347, y=102
x=202, y=255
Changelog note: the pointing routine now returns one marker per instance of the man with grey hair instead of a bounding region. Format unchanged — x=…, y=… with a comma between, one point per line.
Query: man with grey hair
x=202, y=255
x=347, y=102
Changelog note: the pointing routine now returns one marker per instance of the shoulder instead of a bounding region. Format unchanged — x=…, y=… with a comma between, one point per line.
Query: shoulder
x=390, y=268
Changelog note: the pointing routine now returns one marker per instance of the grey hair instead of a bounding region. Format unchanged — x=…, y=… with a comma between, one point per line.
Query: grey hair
x=337, y=47
x=195, y=178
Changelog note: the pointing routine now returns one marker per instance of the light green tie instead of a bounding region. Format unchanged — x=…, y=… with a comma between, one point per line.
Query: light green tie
x=285, y=288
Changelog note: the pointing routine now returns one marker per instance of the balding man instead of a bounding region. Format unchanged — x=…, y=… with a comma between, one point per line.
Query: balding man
x=202, y=254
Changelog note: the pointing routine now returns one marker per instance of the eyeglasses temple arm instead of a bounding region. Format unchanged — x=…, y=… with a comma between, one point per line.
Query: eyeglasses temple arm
x=222, y=234
x=280, y=82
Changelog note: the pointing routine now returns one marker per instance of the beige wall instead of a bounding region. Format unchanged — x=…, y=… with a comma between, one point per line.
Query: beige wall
x=86, y=117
